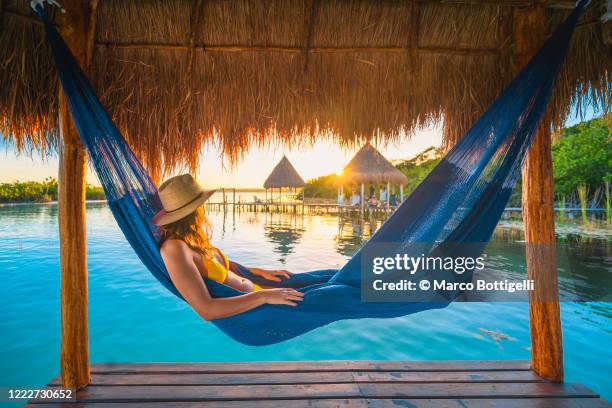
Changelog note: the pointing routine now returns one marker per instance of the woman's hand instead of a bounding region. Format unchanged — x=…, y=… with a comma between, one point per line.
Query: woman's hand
x=281, y=296
x=273, y=276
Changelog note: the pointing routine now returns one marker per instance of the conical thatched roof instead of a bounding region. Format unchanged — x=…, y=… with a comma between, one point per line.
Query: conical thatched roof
x=284, y=175
x=176, y=74
x=370, y=166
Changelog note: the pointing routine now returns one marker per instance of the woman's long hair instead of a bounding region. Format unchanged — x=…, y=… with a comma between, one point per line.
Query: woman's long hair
x=195, y=230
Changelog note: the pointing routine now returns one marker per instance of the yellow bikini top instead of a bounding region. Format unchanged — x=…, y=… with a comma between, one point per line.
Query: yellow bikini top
x=217, y=271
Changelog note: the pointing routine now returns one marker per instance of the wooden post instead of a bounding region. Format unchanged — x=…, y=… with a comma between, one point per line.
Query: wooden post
x=362, y=197
x=388, y=192
x=538, y=218
x=77, y=29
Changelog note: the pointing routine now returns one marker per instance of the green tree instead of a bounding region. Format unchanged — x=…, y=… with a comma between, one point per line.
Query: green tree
x=417, y=168
x=582, y=156
x=94, y=192
x=322, y=187
x=36, y=192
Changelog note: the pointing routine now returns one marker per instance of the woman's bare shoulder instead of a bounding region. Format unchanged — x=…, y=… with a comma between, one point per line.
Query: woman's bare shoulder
x=174, y=247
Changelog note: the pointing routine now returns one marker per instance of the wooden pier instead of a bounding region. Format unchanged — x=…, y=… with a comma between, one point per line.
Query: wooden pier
x=315, y=207
x=437, y=384
x=297, y=207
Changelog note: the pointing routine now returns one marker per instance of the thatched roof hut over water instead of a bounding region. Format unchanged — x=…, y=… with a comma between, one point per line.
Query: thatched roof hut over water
x=369, y=166
x=284, y=175
x=176, y=74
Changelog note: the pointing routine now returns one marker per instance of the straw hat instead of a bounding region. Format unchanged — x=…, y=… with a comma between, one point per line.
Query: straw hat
x=180, y=196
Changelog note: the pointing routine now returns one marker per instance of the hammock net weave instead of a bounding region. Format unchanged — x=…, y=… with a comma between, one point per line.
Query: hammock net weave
x=459, y=202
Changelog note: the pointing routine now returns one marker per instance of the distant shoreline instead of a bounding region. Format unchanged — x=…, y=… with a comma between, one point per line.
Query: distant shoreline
x=309, y=200
x=97, y=192
x=53, y=202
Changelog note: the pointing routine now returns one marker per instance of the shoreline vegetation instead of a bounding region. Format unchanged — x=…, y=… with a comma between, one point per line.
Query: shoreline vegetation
x=40, y=192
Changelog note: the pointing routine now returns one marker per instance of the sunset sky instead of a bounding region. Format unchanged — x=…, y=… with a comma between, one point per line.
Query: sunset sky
x=322, y=158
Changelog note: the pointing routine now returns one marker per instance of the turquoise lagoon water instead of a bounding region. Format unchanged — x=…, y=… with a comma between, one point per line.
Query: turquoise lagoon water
x=133, y=319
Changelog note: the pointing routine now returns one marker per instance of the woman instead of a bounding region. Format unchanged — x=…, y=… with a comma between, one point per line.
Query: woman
x=188, y=255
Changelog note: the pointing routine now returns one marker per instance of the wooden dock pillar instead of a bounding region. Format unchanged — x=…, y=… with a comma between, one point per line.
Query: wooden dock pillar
x=538, y=217
x=362, y=197
x=388, y=192
x=77, y=28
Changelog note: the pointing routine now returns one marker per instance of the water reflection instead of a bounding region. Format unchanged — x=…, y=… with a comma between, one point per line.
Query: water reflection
x=584, y=263
x=29, y=212
x=284, y=231
x=353, y=232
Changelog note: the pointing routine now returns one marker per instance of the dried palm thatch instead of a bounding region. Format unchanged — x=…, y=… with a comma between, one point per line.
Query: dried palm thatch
x=370, y=166
x=284, y=175
x=177, y=74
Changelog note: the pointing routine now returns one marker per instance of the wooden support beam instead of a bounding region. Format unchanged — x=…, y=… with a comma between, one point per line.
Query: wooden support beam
x=77, y=23
x=412, y=45
x=196, y=19
x=415, y=25
x=413, y=35
x=504, y=43
x=297, y=50
x=91, y=32
x=309, y=24
x=538, y=218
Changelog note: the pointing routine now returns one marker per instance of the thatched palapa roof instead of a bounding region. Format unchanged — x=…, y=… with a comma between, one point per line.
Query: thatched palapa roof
x=370, y=166
x=176, y=74
x=284, y=175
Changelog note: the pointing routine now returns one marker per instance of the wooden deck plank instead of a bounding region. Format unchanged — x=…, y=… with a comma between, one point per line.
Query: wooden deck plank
x=123, y=393
x=433, y=377
x=359, y=403
x=315, y=366
x=374, y=384
x=475, y=390
x=224, y=379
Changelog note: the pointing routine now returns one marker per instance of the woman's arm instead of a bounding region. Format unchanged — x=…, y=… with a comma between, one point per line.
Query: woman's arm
x=271, y=274
x=268, y=274
x=187, y=279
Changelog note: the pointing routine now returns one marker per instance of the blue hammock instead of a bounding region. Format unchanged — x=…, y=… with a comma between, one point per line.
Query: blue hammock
x=460, y=201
